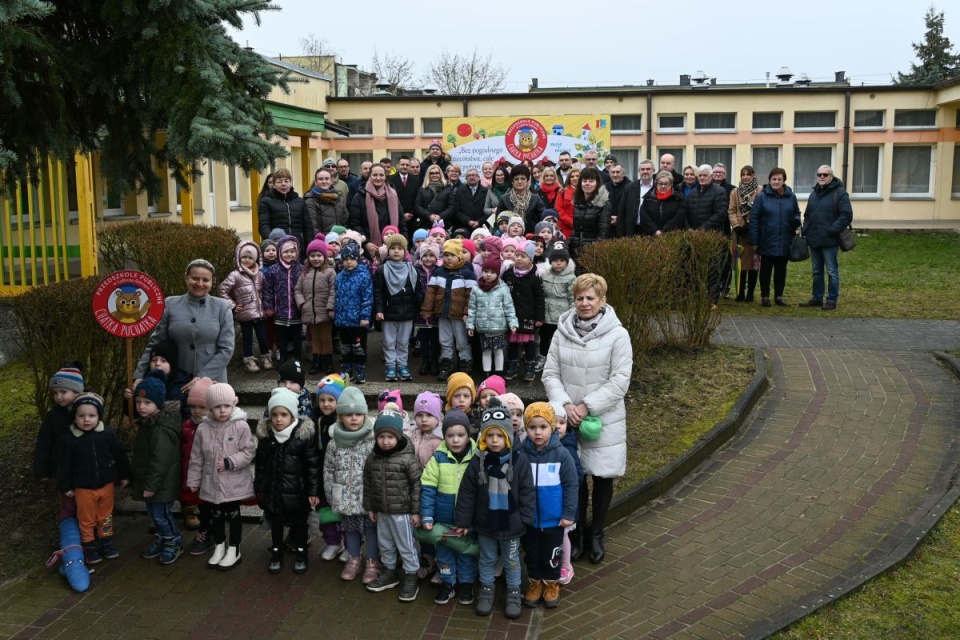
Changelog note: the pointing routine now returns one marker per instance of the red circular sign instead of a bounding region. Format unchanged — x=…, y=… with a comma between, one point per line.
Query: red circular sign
x=526, y=139
x=128, y=304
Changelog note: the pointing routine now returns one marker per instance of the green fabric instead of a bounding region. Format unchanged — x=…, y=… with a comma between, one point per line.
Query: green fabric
x=467, y=545
x=156, y=455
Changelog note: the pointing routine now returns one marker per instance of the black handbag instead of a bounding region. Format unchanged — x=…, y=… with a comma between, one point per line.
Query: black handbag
x=847, y=240
x=799, y=251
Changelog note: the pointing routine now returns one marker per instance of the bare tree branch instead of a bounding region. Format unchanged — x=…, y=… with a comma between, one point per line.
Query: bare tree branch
x=460, y=75
x=393, y=69
x=316, y=54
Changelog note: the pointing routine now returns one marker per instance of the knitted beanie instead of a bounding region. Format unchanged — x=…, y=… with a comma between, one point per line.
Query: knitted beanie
x=549, y=213
x=283, y=397
x=276, y=234
x=338, y=229
x=420, y=234
x=88, y=398
x=396, y=239
x=493, y=244
x=389, y=421
x=267, y=243
x=453, y=246
x=332, y=238
x=512, y=401
x=351, y=401
x=286, y=243
x=387, y=396
x=249, y=250
x=69, y=378
x=355, y=236
x=221, y=393
x=541, y=226
x=495, y=416
x=558, y=409
x=515, y=219
x=493, y=263
x=479, y=234
x=459, y=380
x=461, y=233
x=529, y=248
x=350, y=250
x=470, y=247
x=540, y=410
x=455, y=417
x=430, y=403
x=292, y=371
x=153, y=387
x=198, y=393
x=318, y=244
x=558, y=250
x=429, y=246
x=494, y=383
x=168, y=350
x=331, y=385
x=439, y=228
x=388, y=228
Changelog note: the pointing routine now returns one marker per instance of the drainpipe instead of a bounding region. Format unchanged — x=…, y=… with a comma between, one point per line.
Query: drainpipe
x=846, y=139
x=466, y=108
x=649, y=127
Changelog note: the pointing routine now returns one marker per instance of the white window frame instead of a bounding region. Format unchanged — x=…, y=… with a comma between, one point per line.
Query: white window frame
x=766, y=129
x=626, y=115
x=672, y=151
x=423, y=127
x=833, y=128
x=921, y=127
x=894, y=195
x=629, y=152
x=803, y=195
x=762, y=176
x=390, y=134
x=668, y=130
x=866, y=195
x=354, y=135
x=882, y=127
x=394, y=154
x=718, y=129
x=233, y=185
x=731, y=165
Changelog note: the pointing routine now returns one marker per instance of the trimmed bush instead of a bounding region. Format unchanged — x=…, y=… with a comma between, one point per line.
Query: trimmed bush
x=660, y=287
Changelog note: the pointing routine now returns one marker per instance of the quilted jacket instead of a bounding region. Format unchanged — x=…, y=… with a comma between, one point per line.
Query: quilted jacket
x=391, y=480
x=242, y=290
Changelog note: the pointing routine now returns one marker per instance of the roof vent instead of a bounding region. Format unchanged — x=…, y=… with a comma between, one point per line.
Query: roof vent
x=803, y=80
x=784, y=76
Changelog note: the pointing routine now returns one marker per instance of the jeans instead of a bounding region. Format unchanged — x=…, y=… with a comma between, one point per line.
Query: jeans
x=820, y=257
x=456, y=567
x=162, y=515
x=510, y=550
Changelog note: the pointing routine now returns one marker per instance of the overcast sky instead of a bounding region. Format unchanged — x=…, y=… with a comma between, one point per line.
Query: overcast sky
x=626, y=45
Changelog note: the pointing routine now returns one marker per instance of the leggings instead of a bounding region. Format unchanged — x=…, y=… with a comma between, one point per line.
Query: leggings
x=546, y=337
x=298, y=528
x=321, y=338
x=778, y=265
x=429, y=342
x=287, y=334
x=529, y=351
x=220, y=515
x=353, y=345
x=602, y=496
x=247, y=329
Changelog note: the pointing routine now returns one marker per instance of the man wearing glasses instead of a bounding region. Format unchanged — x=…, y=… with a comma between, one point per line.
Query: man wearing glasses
x=828, y=213
x=352, y=180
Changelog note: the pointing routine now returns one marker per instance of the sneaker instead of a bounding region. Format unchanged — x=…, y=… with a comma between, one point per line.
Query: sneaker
x=829, y=306
x=513, y=609
x=444, y=594
x=391, y=375
x=331, y=551
x=566, y=575
x=485, y=600
x=541, y=360
x=551, y=594
x=202, y=544
x=534, y=595
x=300, y=561
x=344, y=556
x=388, y=579
x=466, y=594
x=351, y=569
x=812, y=302
x=154, y=550
x=409, y=588
x=276, y=561
x=107, y=549
x=265, y=362
x=403, y=372
x=371, y=571
x=170, y=555
x=358, y=373
x=91, y=553
x=250, y=365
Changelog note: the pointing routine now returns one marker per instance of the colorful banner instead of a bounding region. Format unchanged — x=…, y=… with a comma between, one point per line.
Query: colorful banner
x=472, y=141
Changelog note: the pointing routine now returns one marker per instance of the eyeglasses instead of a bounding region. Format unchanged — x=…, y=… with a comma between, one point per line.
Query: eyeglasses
x=823, y=175
x=664, y=184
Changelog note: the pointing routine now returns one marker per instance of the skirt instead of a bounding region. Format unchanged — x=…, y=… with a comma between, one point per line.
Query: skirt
x=493, y=341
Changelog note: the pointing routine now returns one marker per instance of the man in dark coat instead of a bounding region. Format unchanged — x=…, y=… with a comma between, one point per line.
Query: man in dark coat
x=406, y=186
x=828, y=213
x=616, y=187
x=468, y=202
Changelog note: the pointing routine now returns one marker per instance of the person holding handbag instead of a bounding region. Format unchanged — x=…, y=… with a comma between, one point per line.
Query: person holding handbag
x=774, y=219
x=827, y=215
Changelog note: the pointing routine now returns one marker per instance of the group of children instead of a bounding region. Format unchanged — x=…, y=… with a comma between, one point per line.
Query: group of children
x=500, y=295
x=474, y=481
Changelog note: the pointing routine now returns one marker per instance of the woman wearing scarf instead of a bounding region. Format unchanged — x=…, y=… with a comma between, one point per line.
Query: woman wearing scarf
x=521, y=200
x=433, y=184
x=663, y=209
x=550, y=188
x=375, y=206
x=444, y=204
x=486, y=175
x=325, y=206
x=499, y=187
x=741, y=202
x=588, y=372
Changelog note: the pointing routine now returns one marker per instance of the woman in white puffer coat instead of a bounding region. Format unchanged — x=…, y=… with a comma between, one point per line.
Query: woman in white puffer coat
x=588, y=371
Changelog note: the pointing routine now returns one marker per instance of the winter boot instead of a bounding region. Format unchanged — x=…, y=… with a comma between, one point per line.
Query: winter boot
x=276, y=560
x=596, y=547
x=351, y=569
x=514, y=599
x=250, y=364
x=219, y=551
x=512, y=367
x=326, y=363
x=107, y=549
x=371, y=571
x=445, y=369
x=551, y=594
x=576, y=543
x=316, y=368
x=153, y=550
x=485, y=599
x=346, y=370
x=425, y=365
x=466, y=366
x=409, y=588
x=531, y=371
x=359, y=376
x=91, y=553
x=387, y=579
x=230, y=559
x=172, y=550
x=534, y=595
x=300, y=560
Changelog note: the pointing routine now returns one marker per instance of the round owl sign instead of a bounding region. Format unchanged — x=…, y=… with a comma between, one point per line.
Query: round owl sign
x=128, y=304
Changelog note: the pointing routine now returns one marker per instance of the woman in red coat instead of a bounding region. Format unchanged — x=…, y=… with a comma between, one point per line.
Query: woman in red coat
x=565, y=203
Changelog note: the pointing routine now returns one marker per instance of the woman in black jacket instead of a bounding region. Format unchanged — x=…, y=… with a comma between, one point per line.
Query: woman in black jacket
x=376, y=206
x=591, y=212
x=444, y=204
x=521, y=200
x=663, y=209
x=433, y=184
x=283, y=208
x=774, y=219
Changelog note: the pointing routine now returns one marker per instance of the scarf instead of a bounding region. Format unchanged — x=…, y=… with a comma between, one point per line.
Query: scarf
x=551, y=191
x=520, y=202
x=435, y=186
x=250, y=272
x=485, y=182
x=521, y=272
x=397, y=274
x=664, y=196
x=487, y=286
x=497, y=474
x=347, y=439
x=500, y=189
x=584, y=326
x=373, y=218
x=283, y=436
x=746, y=188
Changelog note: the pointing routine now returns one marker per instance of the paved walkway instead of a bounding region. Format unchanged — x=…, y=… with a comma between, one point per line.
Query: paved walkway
x=852, y=449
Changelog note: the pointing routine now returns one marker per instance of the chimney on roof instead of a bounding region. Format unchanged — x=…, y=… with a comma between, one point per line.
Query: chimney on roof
x=534, y=83
x=383, y=88
x=840, y=76
x=685, y=80
x=713, y=81
x=650, y=82
x=784, y=76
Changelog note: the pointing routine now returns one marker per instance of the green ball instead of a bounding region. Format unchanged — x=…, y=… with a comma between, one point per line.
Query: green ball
x=590, y=428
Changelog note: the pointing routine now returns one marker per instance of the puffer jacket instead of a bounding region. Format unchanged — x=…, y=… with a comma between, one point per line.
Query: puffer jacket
x=279, y=289
x=440, y=484
x=287, y=473
x=558, y=292
x=594, y=369
x=343, y=467
x=527, y=293
x=353, y=297
x=156, y=455
x=662, y=215
x=774, y=219
x=444, y=204
x=531, y=216
x=422, y=207
x=448, y=293
x=91, y=459
x=707, y=208
x=555, y=479
x=56, y=424
x=314, y=294
x=323, y=213
x=591, y=221
x=424, y=444
x=232, y=442
x=397, y=307
x=828, y=213
x=391, y=480
x=288, y=212
x=358, y=213
x=491, y=312
x=244, y=290
x=473, y=500
x=188, y=432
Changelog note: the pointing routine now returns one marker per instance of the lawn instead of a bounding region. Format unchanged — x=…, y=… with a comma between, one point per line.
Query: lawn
x=888, y=275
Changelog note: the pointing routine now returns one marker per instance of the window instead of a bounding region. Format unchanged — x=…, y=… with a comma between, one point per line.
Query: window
x=233, y=175
x=866, y=170
x=431, y=126
x=772, y=121
x=868, y=119
x=400, y=127
x=715, y=155
x=765, y=159
x=395, y=155
x=815, y=120
x=715, y=122
x=626, y=124
x=629, y=159
x=358, y=127
x=955, y=185
x=676, y=152
x=356, y=159
x=911, y=170
x=806, y=161
x=915, y=119
x=113, y=200
x=676, y=123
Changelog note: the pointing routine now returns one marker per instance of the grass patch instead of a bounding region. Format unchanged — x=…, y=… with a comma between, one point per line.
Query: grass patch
x=888, y=275
x=677, y=398
x=918, y=599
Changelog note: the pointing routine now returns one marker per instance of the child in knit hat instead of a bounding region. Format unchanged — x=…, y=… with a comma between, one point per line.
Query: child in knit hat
x=440, y=484
x=164, y=357
x=419, y=237
x=156, y=464
x=328, y=392
x=428, y=326
x=196, y=513
x=568, y=438
x=290, y=376
x=243, y=289
x=514, y=405
x=527, y=293
x=426, y=435
x=491, y=315
x=515, y=227
x=490, y=388
x=65, y=385
x=497, y=500
x=397, y=295
x=268, y=254
x=92, y=460
x=287, y=479
x=503, y=220
x=446, y=298
x=353, y=313
x=557, y=283
x=461, y=394
x=314, y=294
x=555, y=478
x=278, y=297
x=350, y=446
x=223, y=450
x=391, y=496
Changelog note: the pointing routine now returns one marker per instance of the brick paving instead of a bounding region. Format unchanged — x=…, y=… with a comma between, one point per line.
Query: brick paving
x=844, y=464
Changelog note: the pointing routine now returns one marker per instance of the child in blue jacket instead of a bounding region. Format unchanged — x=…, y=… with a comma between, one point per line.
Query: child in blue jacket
x=353, y=312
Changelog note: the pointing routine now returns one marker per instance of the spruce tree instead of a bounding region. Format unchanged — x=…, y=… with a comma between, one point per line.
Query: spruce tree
x=107, y=75
x=937, y=61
